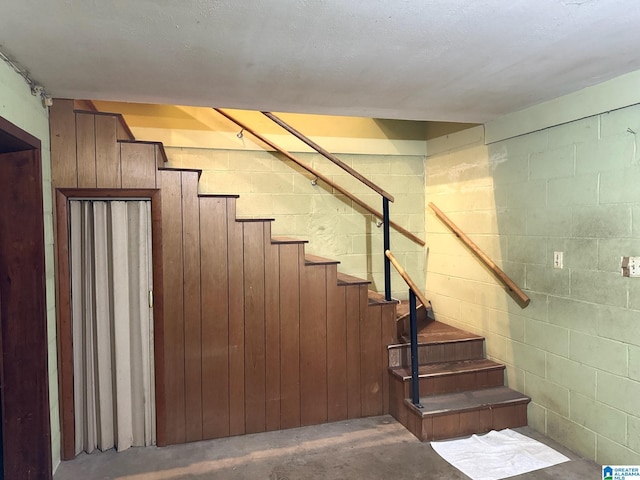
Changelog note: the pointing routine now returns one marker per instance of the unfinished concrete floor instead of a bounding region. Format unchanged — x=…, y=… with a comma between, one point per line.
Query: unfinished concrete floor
x=367, y=448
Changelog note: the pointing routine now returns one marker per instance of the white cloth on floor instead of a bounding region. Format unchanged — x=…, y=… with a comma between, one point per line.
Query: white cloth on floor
x=497, y=455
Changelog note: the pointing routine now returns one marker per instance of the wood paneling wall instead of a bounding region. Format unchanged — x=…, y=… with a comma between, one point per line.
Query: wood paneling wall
x=251, y=337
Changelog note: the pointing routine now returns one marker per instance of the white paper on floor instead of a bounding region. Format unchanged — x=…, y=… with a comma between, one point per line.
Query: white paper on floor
x=497, y=455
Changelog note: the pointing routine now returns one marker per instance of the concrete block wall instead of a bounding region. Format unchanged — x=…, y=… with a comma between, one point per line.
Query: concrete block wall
x=575, y=349
x=270, y=187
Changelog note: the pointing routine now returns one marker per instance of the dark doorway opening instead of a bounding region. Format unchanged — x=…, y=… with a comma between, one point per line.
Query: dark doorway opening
x=25, y=433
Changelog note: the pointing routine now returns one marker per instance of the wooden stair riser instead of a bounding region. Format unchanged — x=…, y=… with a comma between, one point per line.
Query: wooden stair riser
x=403, y=322
x=400, y=355
x=400, y=390
x=458, y=424
x=456, y=382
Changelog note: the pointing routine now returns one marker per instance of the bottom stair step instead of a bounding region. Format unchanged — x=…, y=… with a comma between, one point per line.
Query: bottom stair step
x=464, y=413
x=469, y=400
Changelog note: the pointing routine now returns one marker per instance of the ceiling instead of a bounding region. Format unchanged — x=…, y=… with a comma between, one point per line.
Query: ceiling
x=437, y=60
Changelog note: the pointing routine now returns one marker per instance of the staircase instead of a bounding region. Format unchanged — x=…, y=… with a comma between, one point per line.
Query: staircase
x=283, y=339
x=253, y=333
x=461, y=392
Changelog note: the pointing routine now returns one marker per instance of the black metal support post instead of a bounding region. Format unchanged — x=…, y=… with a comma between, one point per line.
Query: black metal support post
x=413, y=327
x=387, y=246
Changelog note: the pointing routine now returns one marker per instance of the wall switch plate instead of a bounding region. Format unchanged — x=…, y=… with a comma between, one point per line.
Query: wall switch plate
x=558, y=260
x=630, y=266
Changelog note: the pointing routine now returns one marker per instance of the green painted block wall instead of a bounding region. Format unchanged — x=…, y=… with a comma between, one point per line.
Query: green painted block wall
x=575, y=349
x=270, y=187
x=18, y=106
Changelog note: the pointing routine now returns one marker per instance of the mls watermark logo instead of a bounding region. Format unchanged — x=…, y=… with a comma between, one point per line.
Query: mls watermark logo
x=621, y=472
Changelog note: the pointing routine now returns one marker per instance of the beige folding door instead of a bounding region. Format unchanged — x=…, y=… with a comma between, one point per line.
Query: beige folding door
x=111, y=289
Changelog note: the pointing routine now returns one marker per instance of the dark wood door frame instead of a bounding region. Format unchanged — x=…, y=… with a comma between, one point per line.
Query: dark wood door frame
x=63, y=304
x=24, y=376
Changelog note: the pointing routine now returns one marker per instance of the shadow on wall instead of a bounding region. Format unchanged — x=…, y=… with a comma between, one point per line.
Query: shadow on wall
x=468, y=183
x=418, y=130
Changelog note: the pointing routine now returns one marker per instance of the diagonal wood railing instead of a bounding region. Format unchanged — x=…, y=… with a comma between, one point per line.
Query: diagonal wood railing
x=514, y=291
x=405, y=276
x=325, y=179
x=386, y=197
x=384, y=216
x=414, y=292
x=328, y=155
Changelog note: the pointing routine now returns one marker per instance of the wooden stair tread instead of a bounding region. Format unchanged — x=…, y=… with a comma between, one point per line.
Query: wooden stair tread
x=402, y=310
x=448, y=368
x=376, y=298
x=160, y=150
x=438, y=332
x=434, y=405
x=287, y=240
x=316, y=260
x=96, y=112
x=143, y=142
x=163, y=153
x=344, y=279
x=92, y=110
x=441, y=332
x=218, y=195
x=249, y=220
x=180, y=169
x=430, y=339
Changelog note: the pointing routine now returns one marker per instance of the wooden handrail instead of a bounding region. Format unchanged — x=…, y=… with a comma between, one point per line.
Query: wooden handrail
x=328, y=155
x=414, y=288
x=320, y=176
x=518, y=295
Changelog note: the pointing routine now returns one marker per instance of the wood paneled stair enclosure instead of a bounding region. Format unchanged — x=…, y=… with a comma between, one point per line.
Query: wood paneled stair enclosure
x=252, y=333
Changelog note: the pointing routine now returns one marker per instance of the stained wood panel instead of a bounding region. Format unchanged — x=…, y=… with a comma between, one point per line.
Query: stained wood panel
x=215, y=317
x=469, y=422
x=370, y=359
x=254, y=321
x=290, y=334
x=396, y=400
x=123, y=132
x=336, y=350
x=173, y=324
x=161, y=157
x=158, y=316
x=107, y=155
x=272, y=331
x=86, y=105
x=192, y=320
x=354, y=409
x=313, y=345
x=62, y=124
x=64, y=331
x=236, y=323
x=388, y=320
x=138, y=162
x=86, y=150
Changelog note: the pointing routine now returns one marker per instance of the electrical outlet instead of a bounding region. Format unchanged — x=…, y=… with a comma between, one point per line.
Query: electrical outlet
x=630, y=266
x=634, y=266
x=558, y=260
